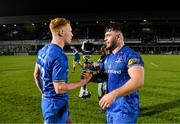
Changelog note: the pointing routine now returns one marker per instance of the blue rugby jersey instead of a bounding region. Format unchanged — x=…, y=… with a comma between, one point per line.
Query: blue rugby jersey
x=53, y=64
x=116, y=66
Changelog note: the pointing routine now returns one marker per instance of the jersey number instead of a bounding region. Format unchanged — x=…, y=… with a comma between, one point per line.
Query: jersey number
x=42, y=72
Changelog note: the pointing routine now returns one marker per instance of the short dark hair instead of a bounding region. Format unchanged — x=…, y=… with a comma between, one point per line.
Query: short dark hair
x=115, y=26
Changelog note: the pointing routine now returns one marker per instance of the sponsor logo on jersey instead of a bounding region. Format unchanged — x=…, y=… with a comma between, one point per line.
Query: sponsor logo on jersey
x=114, y=71
x=133, y=61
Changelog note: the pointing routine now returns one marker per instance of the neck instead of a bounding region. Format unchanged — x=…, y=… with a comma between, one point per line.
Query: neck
x=58, y=41
x=118, y=48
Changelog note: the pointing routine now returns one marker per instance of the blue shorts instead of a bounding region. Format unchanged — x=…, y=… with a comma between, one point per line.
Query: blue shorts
x=54, y=110
x=119, y=118
x=76, y=58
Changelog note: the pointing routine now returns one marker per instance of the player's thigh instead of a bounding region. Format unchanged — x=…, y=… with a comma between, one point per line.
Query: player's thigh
x=54, y=111
x=121, y=118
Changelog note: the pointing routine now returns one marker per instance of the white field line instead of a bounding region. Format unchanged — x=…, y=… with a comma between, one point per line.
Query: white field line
x=153, y=64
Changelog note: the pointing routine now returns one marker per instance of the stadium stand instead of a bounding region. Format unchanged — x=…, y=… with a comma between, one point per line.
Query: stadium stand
x=146, y=37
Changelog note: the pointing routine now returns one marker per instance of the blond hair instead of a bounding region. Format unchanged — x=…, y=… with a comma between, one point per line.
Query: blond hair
x=58, y=23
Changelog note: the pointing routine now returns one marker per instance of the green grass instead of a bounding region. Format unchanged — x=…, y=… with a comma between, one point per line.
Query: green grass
x=20, y=98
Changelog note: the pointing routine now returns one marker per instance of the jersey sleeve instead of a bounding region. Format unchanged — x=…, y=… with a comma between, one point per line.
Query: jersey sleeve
x=134, y=59
x=101, y=65
x=60, y=71
x=38, y=58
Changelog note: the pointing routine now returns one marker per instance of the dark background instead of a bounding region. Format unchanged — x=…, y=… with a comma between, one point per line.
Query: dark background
x=22, y=11
x=58, y=7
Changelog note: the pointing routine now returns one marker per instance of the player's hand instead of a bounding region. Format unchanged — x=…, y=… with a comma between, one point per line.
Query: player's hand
x=86, y=76
x=107, y=100
x=95, y=64
x=85, y=65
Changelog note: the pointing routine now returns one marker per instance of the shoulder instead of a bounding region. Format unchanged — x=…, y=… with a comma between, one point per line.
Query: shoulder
x=130, y=52
x=131, y=57
x=55, y=52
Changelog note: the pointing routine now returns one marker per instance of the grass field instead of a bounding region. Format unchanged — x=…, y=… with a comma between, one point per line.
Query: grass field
x=20, y=98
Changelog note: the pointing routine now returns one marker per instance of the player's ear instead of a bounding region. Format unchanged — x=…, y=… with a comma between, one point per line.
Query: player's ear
x=119, y=36
x=60, y=33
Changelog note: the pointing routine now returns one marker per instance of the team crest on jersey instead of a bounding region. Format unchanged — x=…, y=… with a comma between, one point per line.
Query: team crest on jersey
x=133, y=61
x=118, y=60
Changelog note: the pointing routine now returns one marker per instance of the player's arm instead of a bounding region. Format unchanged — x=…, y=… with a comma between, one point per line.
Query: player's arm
x=136, y=81
x=91, y=66
x=62, y=87
x=99, y=67
x=37, y=77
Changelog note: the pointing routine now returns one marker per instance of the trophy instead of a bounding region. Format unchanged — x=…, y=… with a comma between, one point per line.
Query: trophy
x=87, y=49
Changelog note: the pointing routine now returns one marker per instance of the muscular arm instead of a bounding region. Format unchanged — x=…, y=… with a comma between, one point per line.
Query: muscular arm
x=37, y=77
x=136, y=81
x=97, y=77
x=62, y=87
